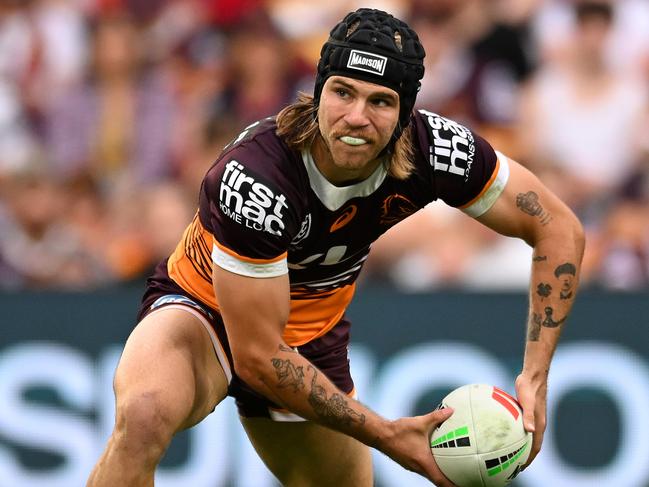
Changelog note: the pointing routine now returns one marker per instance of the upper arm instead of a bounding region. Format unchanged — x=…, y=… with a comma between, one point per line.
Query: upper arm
x=468, y=174
x=527, y=209
x=250, y=202
x=255, y=310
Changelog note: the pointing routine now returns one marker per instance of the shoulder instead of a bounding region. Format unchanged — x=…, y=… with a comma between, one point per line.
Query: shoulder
x=258, y=138
x=460, y=162
x=442, y=131
x=257, y=157
x=255, y=188
x=450, y=146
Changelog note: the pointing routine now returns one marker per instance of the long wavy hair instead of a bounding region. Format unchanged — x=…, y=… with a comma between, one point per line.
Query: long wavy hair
x=297, y=124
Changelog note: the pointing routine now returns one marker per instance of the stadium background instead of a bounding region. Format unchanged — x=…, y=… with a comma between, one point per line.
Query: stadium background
x=110, y=112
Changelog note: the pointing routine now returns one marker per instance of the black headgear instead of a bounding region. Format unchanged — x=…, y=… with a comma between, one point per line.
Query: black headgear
x=372, y=45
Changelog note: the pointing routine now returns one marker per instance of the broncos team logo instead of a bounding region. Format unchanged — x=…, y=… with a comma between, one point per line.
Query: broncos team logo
x=395, y=208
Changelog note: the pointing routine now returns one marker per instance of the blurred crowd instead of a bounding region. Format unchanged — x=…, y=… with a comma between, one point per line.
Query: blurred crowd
x=112, y=110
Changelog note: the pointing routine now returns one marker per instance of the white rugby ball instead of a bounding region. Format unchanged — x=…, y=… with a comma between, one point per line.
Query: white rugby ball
x=484, y=443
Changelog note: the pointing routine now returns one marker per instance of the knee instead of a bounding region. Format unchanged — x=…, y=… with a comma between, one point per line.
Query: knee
x=144, y=425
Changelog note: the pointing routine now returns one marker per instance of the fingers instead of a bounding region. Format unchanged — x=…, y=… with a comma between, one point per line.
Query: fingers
x=532, y=400
x=439, y=416
x=435, y=418
x=443, y=483
x=528, y=417
x=440, y=480
x=528, y=404
x=436, y=476
x=537, y=441
x=415, y=454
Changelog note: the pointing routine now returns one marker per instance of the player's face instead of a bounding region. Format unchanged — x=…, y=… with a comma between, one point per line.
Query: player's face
x=356, y=121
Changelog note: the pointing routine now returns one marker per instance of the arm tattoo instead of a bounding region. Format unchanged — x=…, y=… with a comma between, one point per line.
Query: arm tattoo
x=543, y=290
x=534, y=327
x=288, y=374
x=529, y=203
x=566, y=274
x=284, y=348
x=332, y=410
x=549, y=322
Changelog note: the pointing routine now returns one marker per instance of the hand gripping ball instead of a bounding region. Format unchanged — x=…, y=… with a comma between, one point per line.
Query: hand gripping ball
x=484, y=443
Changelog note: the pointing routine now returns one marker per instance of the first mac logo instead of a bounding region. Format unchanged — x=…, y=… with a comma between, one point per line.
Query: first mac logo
x=250, y=203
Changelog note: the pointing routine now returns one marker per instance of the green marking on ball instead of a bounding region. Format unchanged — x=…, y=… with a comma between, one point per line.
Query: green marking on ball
x=503, y=464
x=460, y=437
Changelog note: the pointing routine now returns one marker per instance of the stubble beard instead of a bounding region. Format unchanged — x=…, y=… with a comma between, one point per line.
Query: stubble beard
x=353, y=158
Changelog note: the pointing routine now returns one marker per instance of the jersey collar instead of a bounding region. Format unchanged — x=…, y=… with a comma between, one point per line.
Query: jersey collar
x=334, y=197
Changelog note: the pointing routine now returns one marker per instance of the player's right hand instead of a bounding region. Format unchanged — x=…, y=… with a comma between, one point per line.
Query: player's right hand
x=409, y=445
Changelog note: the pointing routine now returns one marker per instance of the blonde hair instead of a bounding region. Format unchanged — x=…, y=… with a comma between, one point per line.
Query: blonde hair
x=298, y=126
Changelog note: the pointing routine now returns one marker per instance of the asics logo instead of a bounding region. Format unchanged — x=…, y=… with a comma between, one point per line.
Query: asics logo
x=344, y=219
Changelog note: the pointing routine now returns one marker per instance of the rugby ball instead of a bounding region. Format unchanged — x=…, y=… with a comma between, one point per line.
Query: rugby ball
x=484, y=443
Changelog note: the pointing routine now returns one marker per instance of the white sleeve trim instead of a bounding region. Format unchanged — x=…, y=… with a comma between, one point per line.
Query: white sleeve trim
x=249, y=269
x=486, y=201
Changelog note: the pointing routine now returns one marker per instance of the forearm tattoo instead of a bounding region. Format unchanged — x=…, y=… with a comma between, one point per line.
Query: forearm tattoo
x=529, y=203
x=534, y=327
x=536, y=321
x=288, y=374
x=549, y=321
x=285, y=348
x=566, y=273
x=333, y=410
x=544, y=290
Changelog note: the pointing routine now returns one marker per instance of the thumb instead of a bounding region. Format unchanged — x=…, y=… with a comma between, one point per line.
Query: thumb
x=440, y=415
x=528, y=422
x=528, y=416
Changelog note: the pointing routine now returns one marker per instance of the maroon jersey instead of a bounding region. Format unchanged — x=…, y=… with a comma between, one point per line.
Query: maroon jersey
x=265, y=210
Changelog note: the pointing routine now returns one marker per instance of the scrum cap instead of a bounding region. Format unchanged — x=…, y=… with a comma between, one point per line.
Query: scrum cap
x=372, y=45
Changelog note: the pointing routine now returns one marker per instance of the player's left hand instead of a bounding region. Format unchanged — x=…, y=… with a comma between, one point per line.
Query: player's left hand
x=532, y=396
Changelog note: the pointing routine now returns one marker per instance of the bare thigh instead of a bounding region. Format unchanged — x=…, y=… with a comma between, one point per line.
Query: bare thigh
x=305, y=454
x=169, y=369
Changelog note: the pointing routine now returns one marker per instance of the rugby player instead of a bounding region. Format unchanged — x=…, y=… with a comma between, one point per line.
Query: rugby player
x=252, y=302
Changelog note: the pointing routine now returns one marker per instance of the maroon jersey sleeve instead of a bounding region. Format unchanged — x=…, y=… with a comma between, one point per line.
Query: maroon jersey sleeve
x=461, y=162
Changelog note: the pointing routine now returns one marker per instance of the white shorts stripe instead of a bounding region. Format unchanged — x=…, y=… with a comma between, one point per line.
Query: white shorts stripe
x=216, y=344
x=284, y=416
